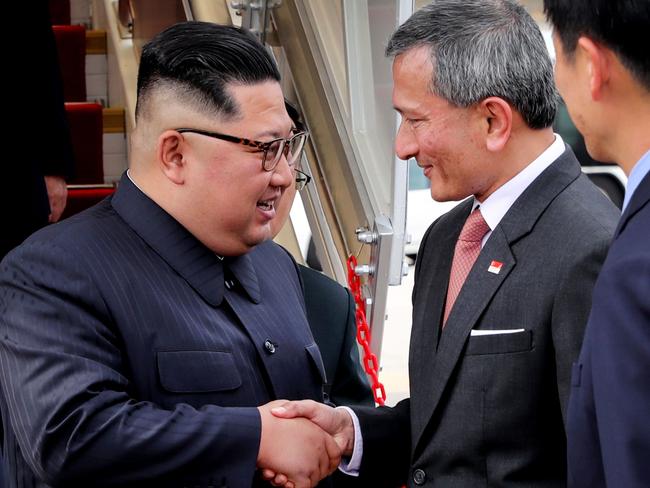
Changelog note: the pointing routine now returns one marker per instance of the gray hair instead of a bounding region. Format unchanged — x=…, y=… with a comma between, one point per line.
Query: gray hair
x=481, y=49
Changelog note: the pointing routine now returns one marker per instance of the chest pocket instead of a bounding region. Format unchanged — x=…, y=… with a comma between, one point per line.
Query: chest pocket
x=197, y=371
x=500, y=343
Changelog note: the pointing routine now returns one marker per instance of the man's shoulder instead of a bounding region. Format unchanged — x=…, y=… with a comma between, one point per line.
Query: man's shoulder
x=632, y=242
x=584, y=198
x=624, y=282
x=583, y=207
x=68, y=253
x=319, y=285
x=95, y=226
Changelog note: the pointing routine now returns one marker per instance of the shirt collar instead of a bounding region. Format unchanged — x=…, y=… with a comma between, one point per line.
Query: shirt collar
x=497, y=205
x=640, y=169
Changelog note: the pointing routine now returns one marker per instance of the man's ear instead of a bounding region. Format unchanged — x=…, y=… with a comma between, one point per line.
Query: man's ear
x=596, y=60
x=170, y=156
x=497, y=116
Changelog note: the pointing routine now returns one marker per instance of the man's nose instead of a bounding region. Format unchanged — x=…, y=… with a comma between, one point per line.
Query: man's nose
x=406, y=146
x=283, y=175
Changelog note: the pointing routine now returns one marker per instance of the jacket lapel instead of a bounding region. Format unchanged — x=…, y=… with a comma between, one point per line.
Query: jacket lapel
x=432, y=278
x=433, y=368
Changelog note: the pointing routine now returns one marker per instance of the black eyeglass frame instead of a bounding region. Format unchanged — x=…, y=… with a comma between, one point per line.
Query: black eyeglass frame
x=262, y=146
x=302, y=179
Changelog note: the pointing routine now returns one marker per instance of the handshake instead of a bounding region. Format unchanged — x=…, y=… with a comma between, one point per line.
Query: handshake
x=302, y=442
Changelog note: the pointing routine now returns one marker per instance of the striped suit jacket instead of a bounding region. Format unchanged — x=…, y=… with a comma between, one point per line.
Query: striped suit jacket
x=125, y=360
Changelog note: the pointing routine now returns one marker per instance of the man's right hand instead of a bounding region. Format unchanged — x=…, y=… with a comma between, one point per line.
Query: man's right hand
x=297, y=448
x=337, y=422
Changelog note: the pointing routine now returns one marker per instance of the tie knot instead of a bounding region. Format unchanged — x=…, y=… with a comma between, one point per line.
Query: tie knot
x=475, y=227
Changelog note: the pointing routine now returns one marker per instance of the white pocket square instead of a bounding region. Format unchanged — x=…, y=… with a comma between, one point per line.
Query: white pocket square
x=484, y=332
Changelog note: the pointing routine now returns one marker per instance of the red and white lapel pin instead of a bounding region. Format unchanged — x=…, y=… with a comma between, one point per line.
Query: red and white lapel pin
x=495, y=267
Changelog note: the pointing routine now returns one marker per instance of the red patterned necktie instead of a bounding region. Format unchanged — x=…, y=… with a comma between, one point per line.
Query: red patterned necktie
x=468, y=247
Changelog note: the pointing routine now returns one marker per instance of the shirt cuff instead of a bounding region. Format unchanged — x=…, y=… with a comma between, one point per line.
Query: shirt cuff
x=351, y=465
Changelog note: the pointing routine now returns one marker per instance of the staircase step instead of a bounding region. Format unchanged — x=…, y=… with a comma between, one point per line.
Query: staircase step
x=113, y=120
x=85, y=121
x=96, y=42
x=72, y=60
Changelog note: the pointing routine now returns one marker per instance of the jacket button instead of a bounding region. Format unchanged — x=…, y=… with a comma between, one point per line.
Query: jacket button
x=269, y=346
x=419, y=477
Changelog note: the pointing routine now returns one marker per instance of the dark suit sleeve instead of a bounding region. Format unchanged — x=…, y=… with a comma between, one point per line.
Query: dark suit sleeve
x=350, y=385
x=619, y=347
x=66, y=386
x=386, y=435
x=571, y=310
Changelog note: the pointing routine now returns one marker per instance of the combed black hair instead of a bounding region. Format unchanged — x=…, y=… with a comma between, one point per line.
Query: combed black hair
x=621, y=25
x=294, y=115
x=198, y=59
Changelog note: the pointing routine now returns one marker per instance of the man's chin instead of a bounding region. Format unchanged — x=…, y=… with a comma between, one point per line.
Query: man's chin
x=261, y=235
x=597, y=152
x=244, y=244
x=442, y=196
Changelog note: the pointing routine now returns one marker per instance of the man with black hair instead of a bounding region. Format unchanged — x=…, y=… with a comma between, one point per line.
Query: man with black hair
x=603, y=73
x=143, y=340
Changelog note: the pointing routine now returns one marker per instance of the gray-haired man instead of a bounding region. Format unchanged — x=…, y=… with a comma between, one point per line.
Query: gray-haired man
x=503, y=281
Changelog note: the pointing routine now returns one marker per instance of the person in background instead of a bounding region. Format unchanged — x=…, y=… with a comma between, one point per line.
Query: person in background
x=331, y=317
x=37, y=190
x=330, y=312
x=143, y=341
x=603, y=73
x=503, y=281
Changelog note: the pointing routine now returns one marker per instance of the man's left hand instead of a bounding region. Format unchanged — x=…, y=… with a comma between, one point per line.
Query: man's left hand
x=57, y=193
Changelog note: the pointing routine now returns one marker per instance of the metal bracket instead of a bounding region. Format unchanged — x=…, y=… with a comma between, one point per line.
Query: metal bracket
x=255, y=15
x=377, y=272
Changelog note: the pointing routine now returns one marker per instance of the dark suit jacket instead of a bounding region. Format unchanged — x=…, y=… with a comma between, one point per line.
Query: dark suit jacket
x=331, y=315
x=488, y=410
x=125, y=361
x=608, y=425
x=41, y=131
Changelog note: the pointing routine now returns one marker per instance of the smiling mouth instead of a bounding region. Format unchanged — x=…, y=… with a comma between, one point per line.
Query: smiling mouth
x=266, y=205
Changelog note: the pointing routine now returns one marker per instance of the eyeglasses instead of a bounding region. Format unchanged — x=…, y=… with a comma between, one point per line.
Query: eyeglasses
x=301, y=179
x=273, y=150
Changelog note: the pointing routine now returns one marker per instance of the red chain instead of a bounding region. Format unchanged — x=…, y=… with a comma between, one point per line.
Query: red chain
x=370, y=363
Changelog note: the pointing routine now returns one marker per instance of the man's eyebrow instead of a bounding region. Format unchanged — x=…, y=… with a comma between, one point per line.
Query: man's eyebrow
x=412, y=111
x=274, y=134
